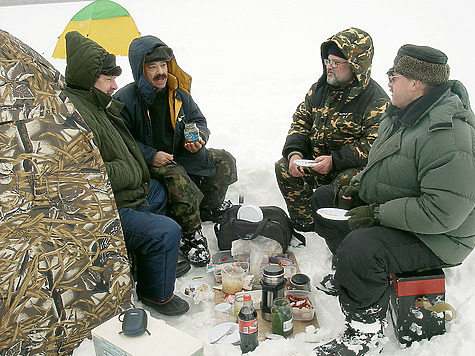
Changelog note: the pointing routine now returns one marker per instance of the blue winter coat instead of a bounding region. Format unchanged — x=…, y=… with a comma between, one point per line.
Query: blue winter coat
x=139, y=95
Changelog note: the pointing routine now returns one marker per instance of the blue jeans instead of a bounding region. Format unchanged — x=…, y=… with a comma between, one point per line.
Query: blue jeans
x=154, y=239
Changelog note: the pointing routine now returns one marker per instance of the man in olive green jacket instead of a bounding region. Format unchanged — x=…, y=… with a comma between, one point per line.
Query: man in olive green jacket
x=152, y=237
x=412, y=207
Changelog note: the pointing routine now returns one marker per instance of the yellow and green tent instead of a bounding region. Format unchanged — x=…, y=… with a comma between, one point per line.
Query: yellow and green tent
x=104, y=22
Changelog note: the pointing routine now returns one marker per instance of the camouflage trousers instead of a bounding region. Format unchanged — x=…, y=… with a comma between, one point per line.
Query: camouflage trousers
x=298, y=191
x=188, y=193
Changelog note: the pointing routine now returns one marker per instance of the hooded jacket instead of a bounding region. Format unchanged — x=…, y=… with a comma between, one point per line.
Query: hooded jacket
x=341, y=122
x=421, y=171
x=126, y=168
x=139, y=96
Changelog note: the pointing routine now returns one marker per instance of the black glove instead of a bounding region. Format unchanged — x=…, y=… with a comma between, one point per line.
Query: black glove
x=347, y=191
x=362, y=216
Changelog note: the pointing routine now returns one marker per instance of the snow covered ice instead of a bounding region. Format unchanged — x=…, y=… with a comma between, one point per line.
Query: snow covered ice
x=252, y=63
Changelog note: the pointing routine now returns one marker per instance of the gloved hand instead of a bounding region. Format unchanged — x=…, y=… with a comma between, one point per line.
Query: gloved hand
x=349, y=191
x=362, y=216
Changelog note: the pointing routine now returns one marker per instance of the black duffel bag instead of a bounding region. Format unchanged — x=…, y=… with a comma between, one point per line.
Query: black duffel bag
x=275, y=225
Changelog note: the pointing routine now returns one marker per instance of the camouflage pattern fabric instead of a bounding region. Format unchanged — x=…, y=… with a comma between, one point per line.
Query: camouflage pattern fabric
x=297, y=192
x=63, y=260
x=183, y=195
x=341, y=122
x=186, y=192
x=214, y=188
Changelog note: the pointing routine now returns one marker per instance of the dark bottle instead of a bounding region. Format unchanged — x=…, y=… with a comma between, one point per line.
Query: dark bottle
x=248, y=325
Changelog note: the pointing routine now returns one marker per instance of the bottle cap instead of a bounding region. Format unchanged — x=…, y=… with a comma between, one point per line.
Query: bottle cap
x=246, y=297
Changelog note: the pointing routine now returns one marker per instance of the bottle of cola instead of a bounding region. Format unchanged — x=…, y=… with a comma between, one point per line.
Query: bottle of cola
x=248, y=325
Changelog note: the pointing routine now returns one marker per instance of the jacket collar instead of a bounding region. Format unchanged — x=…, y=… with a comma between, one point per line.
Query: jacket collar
x=412, y=112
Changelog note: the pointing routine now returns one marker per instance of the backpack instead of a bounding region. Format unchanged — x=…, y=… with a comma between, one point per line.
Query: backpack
x=275, y=225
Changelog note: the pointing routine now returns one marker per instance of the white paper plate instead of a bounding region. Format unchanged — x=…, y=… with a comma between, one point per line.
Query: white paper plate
x=333, y=213
x=250, y=212
x=220, y=329
x=188, y=289
x=306, y=163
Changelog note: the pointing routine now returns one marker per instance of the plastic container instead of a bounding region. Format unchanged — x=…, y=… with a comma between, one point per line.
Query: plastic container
x=224, y=313
x=218, y=273
x=304, y=298
x=231, y=277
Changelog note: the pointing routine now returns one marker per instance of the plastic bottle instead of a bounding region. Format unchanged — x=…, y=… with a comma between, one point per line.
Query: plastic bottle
x=192, y=134
x=248, y=328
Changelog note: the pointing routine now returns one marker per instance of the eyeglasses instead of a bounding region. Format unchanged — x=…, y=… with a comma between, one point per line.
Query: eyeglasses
x=392, y=77
x=332, y=63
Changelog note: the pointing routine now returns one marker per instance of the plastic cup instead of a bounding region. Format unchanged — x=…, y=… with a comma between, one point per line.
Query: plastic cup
x=231, y=278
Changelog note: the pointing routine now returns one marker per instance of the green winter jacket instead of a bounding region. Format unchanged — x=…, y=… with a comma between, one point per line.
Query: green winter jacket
x=126, y=168
x=341, y=122
x=421, y=171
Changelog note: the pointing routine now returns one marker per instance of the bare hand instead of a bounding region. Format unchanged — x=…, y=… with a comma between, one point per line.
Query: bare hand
x=194, y=146
x=325, y=166
x=294, y=169
x=162, y=159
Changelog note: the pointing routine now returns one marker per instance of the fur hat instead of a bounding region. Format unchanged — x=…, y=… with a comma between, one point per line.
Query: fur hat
x=159, y=54
x=427, y=64
x=109, y=67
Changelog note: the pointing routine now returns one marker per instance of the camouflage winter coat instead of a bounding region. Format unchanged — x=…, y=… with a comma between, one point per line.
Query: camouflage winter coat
x=343, y=122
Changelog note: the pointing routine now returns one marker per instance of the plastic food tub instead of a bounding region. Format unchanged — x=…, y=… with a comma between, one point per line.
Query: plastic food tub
x=303, y=304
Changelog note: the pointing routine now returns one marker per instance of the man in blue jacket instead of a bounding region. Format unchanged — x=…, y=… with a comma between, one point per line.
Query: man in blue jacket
x=157, y=106
x=152, y=237
x=412, y=207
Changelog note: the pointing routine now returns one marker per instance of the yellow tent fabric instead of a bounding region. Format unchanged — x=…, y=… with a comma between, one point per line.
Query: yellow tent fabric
x=104, y=22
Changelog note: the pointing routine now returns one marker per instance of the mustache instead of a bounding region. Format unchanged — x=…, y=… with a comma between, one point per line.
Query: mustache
x=160, y=76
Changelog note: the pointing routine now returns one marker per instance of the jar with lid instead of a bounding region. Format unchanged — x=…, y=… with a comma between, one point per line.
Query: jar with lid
x=300, y=281
x=192, y=133
x=282, y=318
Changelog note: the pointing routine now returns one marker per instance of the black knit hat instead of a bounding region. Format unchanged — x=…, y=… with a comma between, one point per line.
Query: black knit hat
x=159, y=54
x=333, y=49
x=109, y=67
x=427, y=64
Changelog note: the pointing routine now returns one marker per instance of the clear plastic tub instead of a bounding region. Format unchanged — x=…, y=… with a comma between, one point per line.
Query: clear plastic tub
x=305, y=302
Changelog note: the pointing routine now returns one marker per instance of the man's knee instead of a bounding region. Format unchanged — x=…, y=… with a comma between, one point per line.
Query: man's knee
x=225, y=164
x=281, y=168
x=323, y=197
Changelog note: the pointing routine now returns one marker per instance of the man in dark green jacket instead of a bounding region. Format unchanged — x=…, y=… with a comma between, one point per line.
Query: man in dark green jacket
x=152, y=237
x=412, y=207
x=334, y=127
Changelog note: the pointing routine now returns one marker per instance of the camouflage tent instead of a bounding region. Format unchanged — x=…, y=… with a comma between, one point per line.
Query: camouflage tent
x=63, y=261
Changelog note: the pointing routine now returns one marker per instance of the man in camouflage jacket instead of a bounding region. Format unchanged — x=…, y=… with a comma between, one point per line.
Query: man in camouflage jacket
x=335, y=125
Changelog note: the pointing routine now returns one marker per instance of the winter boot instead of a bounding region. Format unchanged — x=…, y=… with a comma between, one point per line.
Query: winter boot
x=195, y=248
x=214, y=214
x=357, y=339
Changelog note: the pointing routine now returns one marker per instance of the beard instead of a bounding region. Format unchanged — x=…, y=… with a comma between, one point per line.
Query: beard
x=333, y=80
